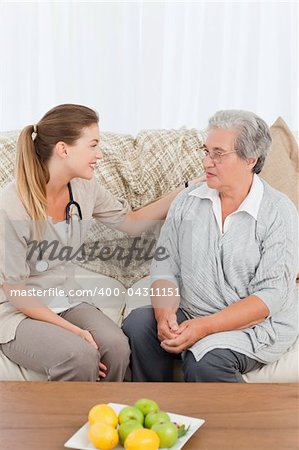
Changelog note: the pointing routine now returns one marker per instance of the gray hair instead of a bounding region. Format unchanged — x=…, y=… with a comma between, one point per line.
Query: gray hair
x=253, y=140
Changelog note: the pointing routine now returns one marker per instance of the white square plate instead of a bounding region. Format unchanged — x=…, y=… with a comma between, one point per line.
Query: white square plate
x=79, y=440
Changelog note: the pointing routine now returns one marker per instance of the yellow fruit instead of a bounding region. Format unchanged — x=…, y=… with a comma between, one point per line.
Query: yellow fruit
x=103, y=436
x=103, y=413
x=142, y=439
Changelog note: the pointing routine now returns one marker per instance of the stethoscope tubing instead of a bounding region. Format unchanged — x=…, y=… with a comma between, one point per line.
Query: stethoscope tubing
x=41, y=265
x=70, y=203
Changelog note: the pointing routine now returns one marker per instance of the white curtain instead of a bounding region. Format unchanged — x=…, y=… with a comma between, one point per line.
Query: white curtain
x=148, y=64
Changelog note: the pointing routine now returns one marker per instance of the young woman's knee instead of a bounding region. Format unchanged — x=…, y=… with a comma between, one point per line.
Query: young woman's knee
x=120, y=353
x=78, y=365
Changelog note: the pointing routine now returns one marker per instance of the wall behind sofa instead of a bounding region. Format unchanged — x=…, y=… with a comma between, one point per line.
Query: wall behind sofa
x=148, y=64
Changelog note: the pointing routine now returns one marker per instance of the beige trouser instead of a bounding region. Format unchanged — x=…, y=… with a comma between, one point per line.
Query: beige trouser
x=62, y=355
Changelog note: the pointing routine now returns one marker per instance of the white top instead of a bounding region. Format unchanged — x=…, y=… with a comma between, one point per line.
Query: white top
x=250, y=204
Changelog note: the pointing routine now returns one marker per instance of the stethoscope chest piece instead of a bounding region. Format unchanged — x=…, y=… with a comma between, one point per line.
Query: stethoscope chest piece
x=41, y=266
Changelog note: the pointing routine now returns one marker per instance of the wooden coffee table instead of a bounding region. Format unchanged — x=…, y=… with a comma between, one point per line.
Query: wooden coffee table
x=43, y=416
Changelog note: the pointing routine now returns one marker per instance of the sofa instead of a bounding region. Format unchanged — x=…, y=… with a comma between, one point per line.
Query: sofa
x=142, y=169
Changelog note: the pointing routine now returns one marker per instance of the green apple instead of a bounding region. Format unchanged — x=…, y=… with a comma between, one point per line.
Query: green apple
x=167, y=432
x=126, y=427
x=130, y=413
x=155, y=417
x=146, y=406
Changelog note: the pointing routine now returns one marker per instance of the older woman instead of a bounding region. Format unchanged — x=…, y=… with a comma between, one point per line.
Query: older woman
x=224, y=299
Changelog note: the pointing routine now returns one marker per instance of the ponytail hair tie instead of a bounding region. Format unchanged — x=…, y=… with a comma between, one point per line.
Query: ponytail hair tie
x=34, y=134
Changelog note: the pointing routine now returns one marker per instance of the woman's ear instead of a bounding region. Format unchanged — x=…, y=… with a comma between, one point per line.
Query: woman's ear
x=61, y=149
x=251, y=162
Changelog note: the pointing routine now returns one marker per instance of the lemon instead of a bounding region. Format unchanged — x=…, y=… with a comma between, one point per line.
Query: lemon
x=142, y=439
x=102, y=413
x=103, y=436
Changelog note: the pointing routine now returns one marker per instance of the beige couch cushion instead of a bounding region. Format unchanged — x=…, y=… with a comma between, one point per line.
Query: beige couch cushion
x=285, y=370
x=10, y=371
x=281, y=168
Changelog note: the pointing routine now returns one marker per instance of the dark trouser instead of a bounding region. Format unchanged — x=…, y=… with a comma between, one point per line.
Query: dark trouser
x=150, y=362
x=64, y=356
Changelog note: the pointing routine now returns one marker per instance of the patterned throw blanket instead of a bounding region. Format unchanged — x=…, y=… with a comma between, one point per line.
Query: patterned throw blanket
x=140, y=170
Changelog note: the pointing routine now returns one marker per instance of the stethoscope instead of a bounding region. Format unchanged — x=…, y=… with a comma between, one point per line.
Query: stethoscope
x=41, y=265
x=70, y=203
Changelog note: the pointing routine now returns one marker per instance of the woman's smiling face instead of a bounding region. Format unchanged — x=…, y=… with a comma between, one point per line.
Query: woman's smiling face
x=83, y=155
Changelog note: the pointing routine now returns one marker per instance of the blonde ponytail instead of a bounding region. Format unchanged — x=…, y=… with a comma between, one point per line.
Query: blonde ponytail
x=31, y=176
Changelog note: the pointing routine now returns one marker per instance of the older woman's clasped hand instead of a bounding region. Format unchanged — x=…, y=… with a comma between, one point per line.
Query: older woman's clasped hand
x=167, y=327
x=184, y=335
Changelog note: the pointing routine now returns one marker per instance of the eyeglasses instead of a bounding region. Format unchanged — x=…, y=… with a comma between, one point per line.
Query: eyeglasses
x=215, y=156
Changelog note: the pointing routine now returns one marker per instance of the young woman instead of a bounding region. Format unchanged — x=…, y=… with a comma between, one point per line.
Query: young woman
x=51, y=202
